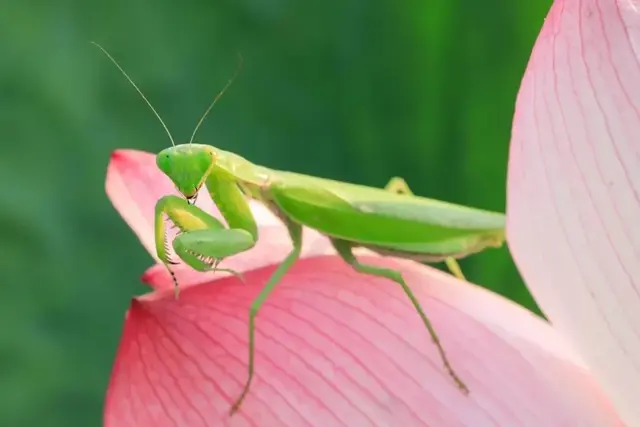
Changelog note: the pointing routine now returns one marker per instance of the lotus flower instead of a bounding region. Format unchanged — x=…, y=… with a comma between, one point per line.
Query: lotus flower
x=338, y=348
x=574, y=186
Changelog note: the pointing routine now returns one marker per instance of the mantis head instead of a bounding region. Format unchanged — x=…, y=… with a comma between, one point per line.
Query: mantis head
x=188, y=166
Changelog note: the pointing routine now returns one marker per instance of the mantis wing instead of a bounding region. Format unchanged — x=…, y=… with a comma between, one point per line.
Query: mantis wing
x=376, y=217
x=410, y=207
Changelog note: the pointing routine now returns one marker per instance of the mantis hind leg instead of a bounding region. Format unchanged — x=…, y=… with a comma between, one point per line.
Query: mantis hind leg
x=399, y=186
x=295, y=232
x=344, y=249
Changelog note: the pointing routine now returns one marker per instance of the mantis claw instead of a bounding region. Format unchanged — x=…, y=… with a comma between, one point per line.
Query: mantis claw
x=235, y=273
x=176, y=288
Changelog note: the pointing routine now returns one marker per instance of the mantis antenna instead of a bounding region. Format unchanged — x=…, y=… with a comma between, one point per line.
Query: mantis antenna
x=238, y=69
x=139, y=91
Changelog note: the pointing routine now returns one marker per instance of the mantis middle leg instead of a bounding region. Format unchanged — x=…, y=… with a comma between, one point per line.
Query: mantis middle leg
x=399, y=186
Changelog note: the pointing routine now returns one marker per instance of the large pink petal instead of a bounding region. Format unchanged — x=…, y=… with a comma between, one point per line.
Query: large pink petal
x=337, y=348
x=134, y=184
x=574, y=186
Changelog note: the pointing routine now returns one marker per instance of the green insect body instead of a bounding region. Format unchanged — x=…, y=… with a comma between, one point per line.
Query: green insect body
x=352, y=216
x=390, y=221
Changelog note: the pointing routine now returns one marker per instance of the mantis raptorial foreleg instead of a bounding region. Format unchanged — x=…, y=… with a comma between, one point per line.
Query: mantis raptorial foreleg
x=203, y=240
x=345, y=250
x=399, y=186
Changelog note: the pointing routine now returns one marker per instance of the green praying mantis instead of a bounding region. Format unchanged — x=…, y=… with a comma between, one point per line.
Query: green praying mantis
x=390, y=221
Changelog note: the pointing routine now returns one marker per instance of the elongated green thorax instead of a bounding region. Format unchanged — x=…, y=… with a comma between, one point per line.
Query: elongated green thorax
x=187, y=165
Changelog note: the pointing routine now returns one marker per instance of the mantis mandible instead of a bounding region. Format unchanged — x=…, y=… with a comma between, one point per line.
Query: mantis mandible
x=390, y=221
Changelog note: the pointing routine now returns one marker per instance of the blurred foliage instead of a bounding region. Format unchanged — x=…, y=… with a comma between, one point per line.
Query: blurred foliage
x=357, y=91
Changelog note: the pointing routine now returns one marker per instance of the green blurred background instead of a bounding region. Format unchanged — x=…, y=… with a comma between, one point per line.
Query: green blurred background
x=353, y=90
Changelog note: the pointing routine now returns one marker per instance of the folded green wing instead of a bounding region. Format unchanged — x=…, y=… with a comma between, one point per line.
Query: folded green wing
x=378, y=217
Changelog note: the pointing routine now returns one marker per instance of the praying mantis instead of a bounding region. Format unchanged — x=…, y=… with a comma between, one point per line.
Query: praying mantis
x=390, y=221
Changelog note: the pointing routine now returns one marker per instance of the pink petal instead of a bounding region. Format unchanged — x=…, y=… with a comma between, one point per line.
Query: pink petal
x=337, y=348
x=134, y=184
x=574, y=186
